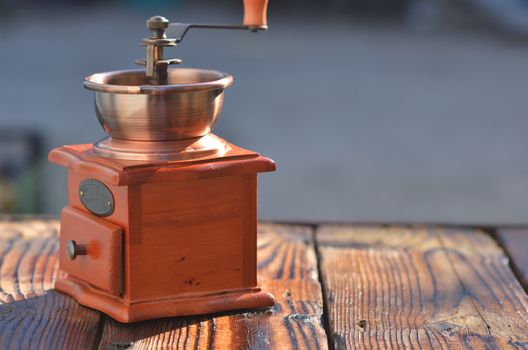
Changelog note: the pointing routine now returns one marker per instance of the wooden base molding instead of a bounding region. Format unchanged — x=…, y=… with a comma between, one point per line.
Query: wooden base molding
x=183, y=305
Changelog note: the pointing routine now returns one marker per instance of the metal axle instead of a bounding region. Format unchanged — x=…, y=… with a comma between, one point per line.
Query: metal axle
x=155, y=63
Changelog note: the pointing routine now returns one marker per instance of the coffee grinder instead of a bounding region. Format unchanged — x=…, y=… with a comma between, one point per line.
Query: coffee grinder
x=162, y=214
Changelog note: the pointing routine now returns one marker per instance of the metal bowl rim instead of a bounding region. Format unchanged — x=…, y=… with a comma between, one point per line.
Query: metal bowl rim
x=225, y=80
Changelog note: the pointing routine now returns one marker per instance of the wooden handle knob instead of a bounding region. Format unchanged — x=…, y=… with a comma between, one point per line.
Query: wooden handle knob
x=255, y=12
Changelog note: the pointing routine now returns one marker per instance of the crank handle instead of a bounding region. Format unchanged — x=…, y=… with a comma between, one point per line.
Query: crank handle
x=178, y=30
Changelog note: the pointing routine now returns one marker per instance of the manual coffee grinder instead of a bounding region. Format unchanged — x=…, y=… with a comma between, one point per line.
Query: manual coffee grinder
x=162, y=215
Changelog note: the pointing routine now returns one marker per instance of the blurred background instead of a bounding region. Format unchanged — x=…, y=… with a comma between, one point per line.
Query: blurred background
x=374, y=110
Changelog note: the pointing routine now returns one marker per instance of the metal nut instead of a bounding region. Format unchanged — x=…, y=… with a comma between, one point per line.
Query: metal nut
x=73, y=249
x=157, y=22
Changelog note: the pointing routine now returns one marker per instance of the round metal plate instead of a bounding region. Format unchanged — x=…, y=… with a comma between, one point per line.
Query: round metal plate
x=205, y=147
x=96, y=197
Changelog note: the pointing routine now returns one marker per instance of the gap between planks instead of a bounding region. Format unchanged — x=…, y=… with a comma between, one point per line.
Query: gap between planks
x=325, y=316
x=514, y=241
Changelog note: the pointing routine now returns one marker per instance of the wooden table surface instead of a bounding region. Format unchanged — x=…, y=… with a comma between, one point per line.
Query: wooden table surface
x=337, y=286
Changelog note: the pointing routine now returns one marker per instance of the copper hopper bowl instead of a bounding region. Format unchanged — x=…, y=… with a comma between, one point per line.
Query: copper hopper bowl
x=129, y=108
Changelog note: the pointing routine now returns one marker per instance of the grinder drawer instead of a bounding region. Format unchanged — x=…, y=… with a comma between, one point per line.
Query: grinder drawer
x=91, y=250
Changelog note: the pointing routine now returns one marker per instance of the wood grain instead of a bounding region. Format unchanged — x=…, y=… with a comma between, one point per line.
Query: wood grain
x=31, y=315
x=190, y=237
x=385, y=287
x=287, y=267
x=515, y=242
x=400, y=287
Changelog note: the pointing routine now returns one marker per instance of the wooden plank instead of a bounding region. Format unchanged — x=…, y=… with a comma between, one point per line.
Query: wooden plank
x=287, y=267
x=515, y=242
x=32, y=315
x=401, y=287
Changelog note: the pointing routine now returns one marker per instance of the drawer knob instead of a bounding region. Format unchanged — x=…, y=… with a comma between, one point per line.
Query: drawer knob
x=73, y=249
